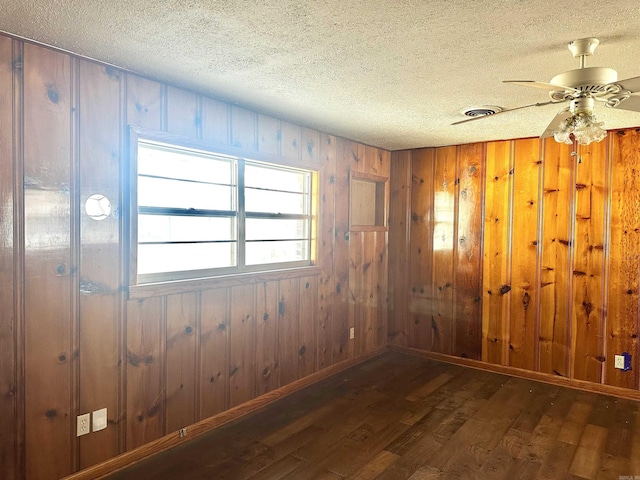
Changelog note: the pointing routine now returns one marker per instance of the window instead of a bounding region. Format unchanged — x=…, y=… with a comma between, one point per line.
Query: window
x=200, y=214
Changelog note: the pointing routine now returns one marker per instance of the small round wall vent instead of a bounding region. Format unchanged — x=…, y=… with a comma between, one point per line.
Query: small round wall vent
x=480, y=111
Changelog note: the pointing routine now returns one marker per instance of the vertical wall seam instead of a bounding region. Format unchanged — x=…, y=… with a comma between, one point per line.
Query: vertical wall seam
x=570, y=325
x=197, y=406
x=123, y=265
x=539, y=252
x=19, y=252
x=606, y=257
x=483, y=212
x=163, y=364
x=509, y=260
x=74, y=207
x=454, y=263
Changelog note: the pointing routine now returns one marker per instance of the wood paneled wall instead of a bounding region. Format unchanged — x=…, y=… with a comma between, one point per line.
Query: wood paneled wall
x=72, y=341
x=521, y=253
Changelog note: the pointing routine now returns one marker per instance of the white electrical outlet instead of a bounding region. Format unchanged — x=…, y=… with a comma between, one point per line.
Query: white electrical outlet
x=352, y=333
x=99, y=419
x=84, y=424
x=182, y=432
x=619, y=362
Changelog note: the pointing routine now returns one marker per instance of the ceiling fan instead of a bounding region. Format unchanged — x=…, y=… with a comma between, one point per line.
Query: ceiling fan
x=581, y=87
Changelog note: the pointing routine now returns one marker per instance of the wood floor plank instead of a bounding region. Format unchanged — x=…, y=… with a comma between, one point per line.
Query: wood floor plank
x=397, y=417
x=374, y=468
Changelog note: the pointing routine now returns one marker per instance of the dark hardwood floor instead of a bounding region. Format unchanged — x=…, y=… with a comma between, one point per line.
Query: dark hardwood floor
x=399, y=417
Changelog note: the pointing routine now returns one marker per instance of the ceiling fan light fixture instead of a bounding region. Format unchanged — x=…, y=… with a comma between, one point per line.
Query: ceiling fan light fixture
x=581, y=126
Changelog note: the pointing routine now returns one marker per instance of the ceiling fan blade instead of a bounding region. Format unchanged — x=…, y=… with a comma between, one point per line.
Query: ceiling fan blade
x=543, y=85
x=556, y=123
x=631, y=84
x=632, y=103
x=503, y=111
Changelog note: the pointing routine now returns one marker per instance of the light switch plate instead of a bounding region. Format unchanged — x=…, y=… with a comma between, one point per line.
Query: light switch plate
x=99, y=419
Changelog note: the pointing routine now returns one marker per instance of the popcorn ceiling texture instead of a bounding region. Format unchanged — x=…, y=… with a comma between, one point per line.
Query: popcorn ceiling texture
x=393, y=74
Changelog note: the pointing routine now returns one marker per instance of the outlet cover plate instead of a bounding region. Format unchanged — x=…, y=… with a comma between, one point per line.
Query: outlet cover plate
x=99, y=419
x=84, y=424
x=619, y=362
x=352, y=333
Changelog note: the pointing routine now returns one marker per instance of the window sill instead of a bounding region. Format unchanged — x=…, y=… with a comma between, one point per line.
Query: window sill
x=195, y=284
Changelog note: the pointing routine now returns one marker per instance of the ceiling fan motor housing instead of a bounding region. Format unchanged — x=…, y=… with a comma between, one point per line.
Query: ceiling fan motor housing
x=588, y=80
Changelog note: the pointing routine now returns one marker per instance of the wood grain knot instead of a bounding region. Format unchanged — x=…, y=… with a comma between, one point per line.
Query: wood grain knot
x=265, y=317
x=233, y=371
x=153, y=410
x=61, y=269
x=266, y=372
x=307, y=285
x=281, y=308
x=355, y=157
x=188, y=330
x=112, y=73
x=310, y=148
x=302, y=350
x=148, y=360
x=526, y=299
x=222, y=327
x=52, y=93
x=332, y=179
x=62, y=357
x=346, y=236
x=51, y=413
x=338, y=288
x=294, y=143
x=505, y=289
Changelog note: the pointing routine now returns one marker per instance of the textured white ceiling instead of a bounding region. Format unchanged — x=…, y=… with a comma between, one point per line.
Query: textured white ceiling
x=393, y=74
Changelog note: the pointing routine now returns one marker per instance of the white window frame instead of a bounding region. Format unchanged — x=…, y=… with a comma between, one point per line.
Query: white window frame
x=137, y=136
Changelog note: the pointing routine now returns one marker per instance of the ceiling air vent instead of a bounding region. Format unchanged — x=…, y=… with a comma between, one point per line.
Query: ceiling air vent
x=480, y=111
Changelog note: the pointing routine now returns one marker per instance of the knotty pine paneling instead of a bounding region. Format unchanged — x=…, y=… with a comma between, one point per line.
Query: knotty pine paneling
x=622, y=321
x=400, y=185
x=100, y=294
x=242, y=345
x=589, y=263
x=10, y=272
x=496, y=267
x=214, y=349
x=468, y=261
x=326, y=250
x=524, y=254
x=181, y=382
x=162, y=361
x=555, y=258
x=49, y=316
x=444, y=243
x=557, y=246
x=341, y=320
x=267, y=367
x=421, y=250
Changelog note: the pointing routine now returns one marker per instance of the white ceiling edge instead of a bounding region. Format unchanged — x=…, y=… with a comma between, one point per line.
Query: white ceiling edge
x=393, y=74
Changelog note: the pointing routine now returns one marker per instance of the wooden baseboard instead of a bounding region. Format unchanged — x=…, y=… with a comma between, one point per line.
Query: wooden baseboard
x=171, y=440
x=521, y=373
